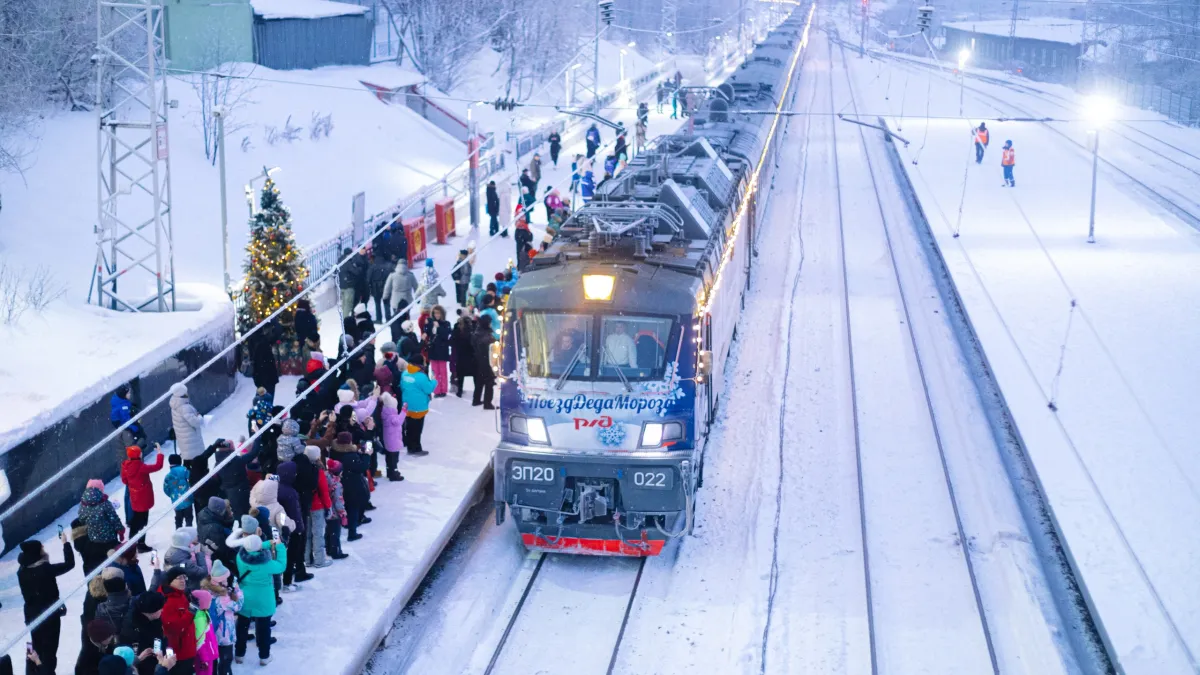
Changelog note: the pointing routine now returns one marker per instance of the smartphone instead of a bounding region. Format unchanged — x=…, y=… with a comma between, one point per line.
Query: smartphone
x=370, y=447
x=154, y=558
x=275, y=534
x=157, y=646
x=60, y=531
x=28, y=647
x=170, y=653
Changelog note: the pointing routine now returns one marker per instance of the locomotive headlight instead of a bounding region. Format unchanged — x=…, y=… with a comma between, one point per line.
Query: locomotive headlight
x=598, y=287
x=655, y=434
x=537, y=430
x=533, y=427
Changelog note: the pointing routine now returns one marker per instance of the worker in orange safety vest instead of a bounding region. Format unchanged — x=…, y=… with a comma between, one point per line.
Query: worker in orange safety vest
x=981, y=136
x=1008, y=159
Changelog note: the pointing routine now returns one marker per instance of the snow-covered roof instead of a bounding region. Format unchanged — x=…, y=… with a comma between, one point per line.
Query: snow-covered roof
x=1047, y=28
x=304, y=9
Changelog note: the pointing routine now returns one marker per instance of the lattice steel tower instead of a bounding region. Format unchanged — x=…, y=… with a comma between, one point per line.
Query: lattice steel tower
x=134, y=268
x=666, y=35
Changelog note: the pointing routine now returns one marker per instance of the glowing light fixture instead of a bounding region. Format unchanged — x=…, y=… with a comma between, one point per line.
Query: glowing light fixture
x=598, y=287
x=964, y=55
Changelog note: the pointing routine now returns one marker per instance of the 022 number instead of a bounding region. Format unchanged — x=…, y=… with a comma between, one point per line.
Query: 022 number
x=650, y=478
x=532, y=474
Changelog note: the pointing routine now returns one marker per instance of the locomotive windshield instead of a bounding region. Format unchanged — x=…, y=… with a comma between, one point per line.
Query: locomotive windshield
x=603, y=347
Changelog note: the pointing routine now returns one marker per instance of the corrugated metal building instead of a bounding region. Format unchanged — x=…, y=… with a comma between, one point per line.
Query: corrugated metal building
x=303, y=34
x=1047, y=48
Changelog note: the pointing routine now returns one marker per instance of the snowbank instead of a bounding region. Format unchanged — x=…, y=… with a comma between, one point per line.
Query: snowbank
x=74, y=354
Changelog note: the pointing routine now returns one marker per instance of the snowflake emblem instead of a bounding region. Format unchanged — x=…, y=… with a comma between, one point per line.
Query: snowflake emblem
x=613, y=436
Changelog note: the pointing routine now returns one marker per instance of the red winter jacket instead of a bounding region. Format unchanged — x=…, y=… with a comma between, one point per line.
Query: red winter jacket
x=135, y=474
x=178, y=623
x=321, y=499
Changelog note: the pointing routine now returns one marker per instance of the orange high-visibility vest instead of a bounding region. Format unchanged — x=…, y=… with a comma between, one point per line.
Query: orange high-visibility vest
x=1009, y=157
x=981, y=136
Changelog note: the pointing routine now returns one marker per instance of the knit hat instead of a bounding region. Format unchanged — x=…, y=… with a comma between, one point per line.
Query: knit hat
x=184, y=537
x=249, y=524
x=203, y=598
x=313, y=453
x=99, y=630
x=149, y=602
x=114, y=585
x=126, y=652
x=31, y=548
x=360, y=308
x=252, y=543
x=429, y=262
x=335, y=467
x=171, y=575
x=111, y=664
x=388, y=347
x=216, y=504
x=96, y=483
x=133, y=452
x=462, y=251
x=345, y=394
x=344, y=438
x=388, y=400
x=179, y=389
x=219, y=571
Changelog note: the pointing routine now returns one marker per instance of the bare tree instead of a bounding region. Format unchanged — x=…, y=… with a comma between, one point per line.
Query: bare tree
x=226, y=85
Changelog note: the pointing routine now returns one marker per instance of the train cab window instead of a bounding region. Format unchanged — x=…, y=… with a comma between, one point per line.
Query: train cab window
x=633, y=346
x=554, y=342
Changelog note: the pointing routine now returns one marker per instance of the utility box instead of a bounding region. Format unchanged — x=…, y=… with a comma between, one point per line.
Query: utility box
x=414, y=233
x=443, y=212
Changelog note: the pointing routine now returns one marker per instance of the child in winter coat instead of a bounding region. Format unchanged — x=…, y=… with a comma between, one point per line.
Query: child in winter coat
x=206, y=639
x=260, y=410
x=393, y=435
x=226, y=603
x=475, y=291
x=416, y=388
x=289, y=444
x=104, y=526
x=335, y=518
x=257, y=565
x=175, y=484
x=135, y=474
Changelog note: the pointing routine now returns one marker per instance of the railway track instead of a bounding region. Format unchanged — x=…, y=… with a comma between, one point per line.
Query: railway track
x=569, y=595
x=1177, y=202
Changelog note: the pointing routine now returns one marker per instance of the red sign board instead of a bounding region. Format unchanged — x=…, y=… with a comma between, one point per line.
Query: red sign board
x=414, y=232
x=443, y=212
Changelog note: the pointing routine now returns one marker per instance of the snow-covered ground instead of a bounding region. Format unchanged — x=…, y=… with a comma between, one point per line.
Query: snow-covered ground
x=828, y=439
x=74, y=353
x=1105, y=332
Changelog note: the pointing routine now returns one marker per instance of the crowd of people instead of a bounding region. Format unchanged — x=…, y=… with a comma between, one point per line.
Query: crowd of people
x=277, y=508
x=263, y=515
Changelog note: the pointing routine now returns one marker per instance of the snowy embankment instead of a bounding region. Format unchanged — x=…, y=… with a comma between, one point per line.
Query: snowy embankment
x=74, y=354
x=1091, y=351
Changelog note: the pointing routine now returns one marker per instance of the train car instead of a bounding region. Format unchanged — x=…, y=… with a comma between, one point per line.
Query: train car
x=614, y=340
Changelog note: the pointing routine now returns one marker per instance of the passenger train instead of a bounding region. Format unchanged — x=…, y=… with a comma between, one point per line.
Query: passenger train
x=614, y=340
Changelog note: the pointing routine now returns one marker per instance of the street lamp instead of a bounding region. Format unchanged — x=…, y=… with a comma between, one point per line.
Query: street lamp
x=219, y=113
x=963, y=56
x=1097, y=110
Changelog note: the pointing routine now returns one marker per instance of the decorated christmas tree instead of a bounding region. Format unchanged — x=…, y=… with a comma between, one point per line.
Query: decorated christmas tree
x=274, y=271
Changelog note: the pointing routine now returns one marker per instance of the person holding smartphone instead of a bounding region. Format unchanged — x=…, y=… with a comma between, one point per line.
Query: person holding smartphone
x=38, y=579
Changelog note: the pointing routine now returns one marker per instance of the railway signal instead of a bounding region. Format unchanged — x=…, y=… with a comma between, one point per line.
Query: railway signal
x=924, y=17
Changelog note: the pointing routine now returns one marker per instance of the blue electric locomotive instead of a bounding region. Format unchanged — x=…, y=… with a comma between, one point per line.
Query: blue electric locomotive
x=614, y=341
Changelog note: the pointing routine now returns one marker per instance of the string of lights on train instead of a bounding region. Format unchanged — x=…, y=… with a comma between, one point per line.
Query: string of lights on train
x=704, y=305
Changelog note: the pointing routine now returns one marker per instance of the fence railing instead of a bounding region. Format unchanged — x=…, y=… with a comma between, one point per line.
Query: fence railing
x=323, y=256
x=1180, y=107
